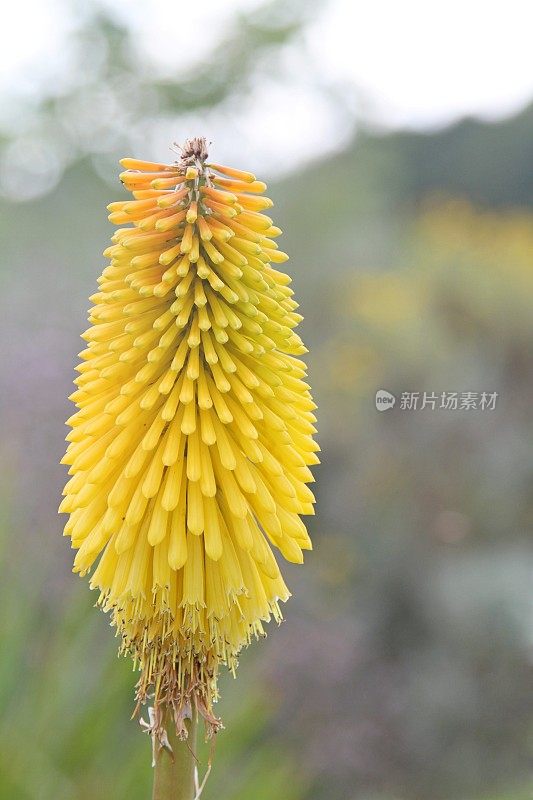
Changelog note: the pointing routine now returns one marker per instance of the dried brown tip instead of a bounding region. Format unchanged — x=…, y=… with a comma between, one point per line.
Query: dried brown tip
x=179, y=690
x=193, y=150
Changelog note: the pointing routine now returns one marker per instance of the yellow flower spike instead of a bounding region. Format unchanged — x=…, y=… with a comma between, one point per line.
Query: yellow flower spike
x=190, y=450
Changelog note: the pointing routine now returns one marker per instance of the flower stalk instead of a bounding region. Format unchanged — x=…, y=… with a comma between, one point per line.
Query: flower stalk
x=175, y=763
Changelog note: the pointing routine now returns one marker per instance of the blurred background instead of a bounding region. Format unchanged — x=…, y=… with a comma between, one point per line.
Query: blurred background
x=397, y=139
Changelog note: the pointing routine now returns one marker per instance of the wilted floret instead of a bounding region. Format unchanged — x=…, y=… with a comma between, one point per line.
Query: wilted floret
x=190, y=449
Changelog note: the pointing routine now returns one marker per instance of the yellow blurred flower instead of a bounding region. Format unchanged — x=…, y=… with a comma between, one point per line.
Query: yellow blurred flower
x=190, y=449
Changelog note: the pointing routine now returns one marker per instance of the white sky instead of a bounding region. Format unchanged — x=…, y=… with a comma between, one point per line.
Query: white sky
x=418, y=62
x=414, y=63
x=423, y=62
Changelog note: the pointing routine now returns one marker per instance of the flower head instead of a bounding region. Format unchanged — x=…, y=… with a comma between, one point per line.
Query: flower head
x=189, y=453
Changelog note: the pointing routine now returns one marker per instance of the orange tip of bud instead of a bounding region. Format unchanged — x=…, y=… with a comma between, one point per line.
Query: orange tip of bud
x=239, y=174
x=145, y=166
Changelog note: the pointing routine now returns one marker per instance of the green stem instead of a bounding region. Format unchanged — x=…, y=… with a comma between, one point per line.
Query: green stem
x=174, y=772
